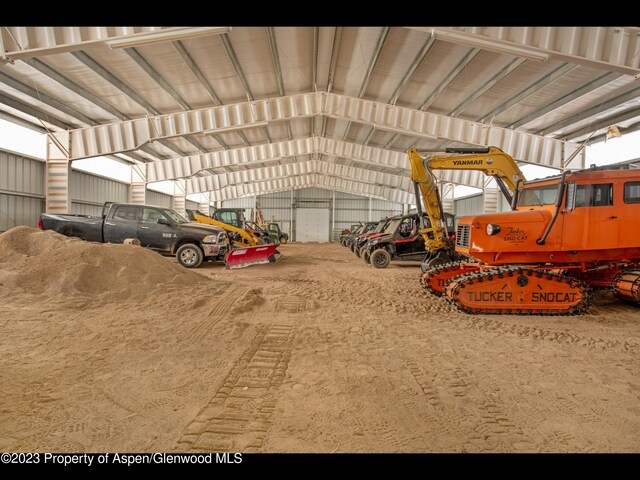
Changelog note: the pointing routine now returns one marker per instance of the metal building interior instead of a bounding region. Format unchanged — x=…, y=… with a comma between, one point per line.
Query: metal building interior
x=233, y=112
x=109, y=347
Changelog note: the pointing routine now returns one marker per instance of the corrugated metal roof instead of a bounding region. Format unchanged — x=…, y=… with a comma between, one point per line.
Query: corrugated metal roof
x=438, y=73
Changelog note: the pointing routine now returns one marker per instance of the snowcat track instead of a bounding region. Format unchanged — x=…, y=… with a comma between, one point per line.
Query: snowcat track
x=515, y=290
x=627, y=285
x=434, y=280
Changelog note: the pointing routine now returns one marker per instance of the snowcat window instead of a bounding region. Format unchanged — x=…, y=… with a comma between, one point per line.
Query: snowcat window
x=538, y=196
x=600, y=195
x=632, y=192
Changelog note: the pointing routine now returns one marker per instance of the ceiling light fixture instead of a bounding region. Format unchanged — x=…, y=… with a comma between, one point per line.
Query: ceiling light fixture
x=165, y=35
x=472, y=40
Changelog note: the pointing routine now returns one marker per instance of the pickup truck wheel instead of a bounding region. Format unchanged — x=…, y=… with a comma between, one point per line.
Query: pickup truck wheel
x=189, y=255
x=380, y=258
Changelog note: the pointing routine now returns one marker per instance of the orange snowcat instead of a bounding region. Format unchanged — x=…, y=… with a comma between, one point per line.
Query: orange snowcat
x=567, y=235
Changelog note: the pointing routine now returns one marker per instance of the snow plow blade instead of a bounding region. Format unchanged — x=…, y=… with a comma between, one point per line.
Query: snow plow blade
x=246, y=256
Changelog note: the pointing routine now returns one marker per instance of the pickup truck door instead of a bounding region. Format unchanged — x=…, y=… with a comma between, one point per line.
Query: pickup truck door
x=121, y=223
x=154, y=235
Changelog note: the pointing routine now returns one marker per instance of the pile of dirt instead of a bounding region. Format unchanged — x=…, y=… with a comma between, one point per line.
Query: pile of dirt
x=47, y=263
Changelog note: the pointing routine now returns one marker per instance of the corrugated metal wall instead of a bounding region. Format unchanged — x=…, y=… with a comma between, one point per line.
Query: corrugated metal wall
x=474, y=205
x=276, y=207
x=191, y=205
x=349, y=209
x=21, y=190
x=17, y=210
x=89, y=192
x=21, y=174
x=158, y=199
x=244, y=202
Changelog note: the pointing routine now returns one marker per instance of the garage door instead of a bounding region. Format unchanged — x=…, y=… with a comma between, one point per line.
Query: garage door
x=312, y=225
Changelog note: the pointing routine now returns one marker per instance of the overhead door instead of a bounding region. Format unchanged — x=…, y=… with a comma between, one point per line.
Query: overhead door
x=312, y=225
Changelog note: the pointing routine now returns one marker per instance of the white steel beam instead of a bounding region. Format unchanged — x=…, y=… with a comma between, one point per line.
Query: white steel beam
x=191, y=165
x=27, y=42
x=252, y=157
x=217, y=182
x=311, y=180
x=613, y=49
x=133, y=134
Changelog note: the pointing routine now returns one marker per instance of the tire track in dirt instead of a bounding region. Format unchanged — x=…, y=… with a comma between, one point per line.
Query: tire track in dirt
x=462, y=408
x=217, y=313
x=495, y=431
x=358, y=291
x=238, y=417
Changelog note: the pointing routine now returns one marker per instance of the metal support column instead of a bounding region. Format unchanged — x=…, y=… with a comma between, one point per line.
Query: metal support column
x=203, y=206
x=178, y=202
x=58, y=172
x=333, y=213
x=138, y=189
x=490, y=200
x=292, y=231
x=370, y=213
x=448, y=203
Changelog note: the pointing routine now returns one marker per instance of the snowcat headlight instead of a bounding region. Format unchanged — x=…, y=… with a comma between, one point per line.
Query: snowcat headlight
x=493, y=229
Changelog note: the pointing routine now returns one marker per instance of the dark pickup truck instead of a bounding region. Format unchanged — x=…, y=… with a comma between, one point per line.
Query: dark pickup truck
x=158, y=228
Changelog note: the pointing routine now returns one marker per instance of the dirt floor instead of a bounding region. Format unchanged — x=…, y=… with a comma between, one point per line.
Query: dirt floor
x=114, y=348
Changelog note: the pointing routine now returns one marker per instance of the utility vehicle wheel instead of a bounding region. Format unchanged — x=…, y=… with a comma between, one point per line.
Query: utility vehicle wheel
x=366, y=256
x=283, y=239
x=380, y=258
x=358, y=252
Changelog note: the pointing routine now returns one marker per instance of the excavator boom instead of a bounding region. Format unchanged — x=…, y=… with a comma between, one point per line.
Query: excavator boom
x=490, y=160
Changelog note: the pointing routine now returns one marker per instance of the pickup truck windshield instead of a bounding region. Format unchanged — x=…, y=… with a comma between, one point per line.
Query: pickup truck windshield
x=176, y=217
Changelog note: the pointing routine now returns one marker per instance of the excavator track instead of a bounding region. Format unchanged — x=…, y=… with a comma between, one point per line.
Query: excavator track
x=434, y=280
x=627, y=285
x=518, y=290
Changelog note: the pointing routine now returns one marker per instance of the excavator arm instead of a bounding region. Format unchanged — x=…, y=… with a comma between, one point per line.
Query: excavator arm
x=491, y=161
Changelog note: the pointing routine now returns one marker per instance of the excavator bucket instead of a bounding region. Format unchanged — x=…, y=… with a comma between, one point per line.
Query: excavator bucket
x=246, y=256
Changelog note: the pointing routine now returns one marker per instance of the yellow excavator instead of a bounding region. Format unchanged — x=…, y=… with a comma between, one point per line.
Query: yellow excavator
x=490, y=160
